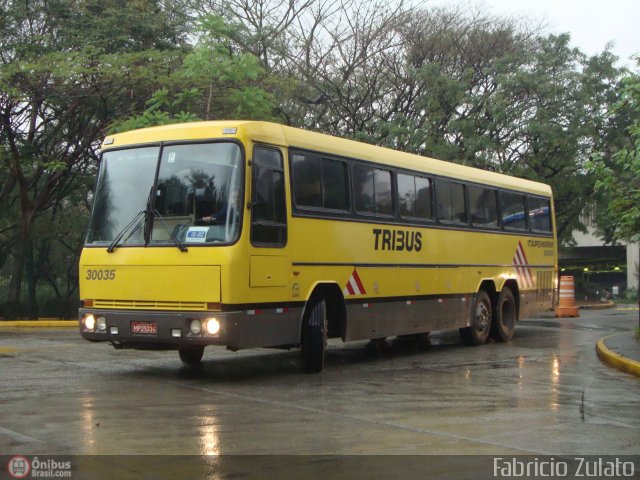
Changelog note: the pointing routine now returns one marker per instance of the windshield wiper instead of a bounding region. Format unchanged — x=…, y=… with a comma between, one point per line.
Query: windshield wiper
x=135, y=222
x=146, y=214
x=178, y=243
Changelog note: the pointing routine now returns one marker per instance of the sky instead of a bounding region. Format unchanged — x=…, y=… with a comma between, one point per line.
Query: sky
x=592, y=24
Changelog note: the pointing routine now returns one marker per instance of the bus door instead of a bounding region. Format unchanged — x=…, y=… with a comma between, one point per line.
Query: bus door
x=270, y=265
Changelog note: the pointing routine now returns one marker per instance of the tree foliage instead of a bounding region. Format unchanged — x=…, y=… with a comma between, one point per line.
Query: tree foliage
x=451, y=83
x=215, y=81
x=618, y=175
x=67, y=69
x=454, y=84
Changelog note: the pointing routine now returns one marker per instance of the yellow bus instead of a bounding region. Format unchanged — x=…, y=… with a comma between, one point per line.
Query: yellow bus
x=254, y=234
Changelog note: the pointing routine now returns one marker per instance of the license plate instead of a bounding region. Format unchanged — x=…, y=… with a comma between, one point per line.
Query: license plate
x=147, y=328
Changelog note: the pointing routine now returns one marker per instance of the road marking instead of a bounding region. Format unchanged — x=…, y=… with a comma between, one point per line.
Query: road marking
x=626, y=309
x=18, y=436
x=7, y=350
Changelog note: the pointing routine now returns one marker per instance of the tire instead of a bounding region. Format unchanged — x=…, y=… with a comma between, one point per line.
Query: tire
x=314, y=336
x=478, y=332
x=504, y=321
x=191, y=355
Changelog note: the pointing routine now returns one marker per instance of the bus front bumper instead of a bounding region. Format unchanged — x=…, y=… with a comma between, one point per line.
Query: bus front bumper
x=170, y=330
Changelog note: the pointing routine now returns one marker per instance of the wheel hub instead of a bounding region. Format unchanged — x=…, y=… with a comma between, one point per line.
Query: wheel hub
x=482, y=317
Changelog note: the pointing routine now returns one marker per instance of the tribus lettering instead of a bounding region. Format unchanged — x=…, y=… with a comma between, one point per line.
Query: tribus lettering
x=398, y=240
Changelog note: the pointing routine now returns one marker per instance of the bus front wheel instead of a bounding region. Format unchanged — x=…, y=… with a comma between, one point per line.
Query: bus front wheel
x=505, y=319
x=191, y=355
x=478, y=332
x=314, y=336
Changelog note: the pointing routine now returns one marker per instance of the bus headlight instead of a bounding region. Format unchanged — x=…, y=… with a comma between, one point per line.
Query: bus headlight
x=90, y=322
x=196, y=327
x=101, y=323
x=213, y=326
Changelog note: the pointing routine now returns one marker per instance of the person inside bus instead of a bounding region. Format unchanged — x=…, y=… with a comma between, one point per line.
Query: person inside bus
x=232, y=205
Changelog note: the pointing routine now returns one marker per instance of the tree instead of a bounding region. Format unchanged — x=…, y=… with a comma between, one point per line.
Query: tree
x=455, y=84
x=618, y=175
x=264, y=28
x=451, y=83
x=464, y=87
x=216, y=80
x=563, y=98
x=67, y=69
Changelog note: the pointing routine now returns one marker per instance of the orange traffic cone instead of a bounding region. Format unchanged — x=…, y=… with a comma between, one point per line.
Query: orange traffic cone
x=567, y=304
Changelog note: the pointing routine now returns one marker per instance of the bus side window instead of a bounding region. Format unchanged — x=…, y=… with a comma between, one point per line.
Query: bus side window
x=483, y=205
x=414, y=197
x=307, y=181
x=372, y=190
x=334, y=184
x=451, y=202
x=268, y=213
x=512, y=206
x=319, y=183
x=539, y=214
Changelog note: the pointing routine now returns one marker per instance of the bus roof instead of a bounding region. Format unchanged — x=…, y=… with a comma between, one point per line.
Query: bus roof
x=282, y=135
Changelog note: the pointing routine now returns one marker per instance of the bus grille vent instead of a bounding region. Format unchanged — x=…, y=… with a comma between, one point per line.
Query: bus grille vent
x=544, y=285
x=149, y=305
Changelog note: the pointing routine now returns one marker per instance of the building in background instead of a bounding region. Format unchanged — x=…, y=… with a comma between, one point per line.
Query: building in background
x=600, y=270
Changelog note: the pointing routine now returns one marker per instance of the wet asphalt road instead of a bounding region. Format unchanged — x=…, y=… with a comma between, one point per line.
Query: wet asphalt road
x=545, y=392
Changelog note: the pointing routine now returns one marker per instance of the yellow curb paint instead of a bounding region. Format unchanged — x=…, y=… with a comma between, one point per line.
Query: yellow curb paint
x=7, y=350
x=38, y=323
x=615, y=360
x=597, y=306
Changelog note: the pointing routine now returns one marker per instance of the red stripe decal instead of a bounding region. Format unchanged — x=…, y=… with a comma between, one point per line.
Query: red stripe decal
x=356, y=277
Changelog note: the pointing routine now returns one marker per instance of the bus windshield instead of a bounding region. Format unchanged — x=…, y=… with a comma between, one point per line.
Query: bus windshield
x=194, y=195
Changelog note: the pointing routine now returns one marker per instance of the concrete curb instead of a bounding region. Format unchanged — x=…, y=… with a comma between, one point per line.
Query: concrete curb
x=38, y=323
x=615, y=360
x=598, y=306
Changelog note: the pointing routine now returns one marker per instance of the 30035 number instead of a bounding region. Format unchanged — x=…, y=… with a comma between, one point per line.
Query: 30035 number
x=100, y=274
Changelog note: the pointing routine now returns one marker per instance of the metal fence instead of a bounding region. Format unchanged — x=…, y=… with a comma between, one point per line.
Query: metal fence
x=48, y=303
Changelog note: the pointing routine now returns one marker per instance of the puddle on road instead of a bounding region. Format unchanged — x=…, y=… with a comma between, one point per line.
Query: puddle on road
x=571, y=326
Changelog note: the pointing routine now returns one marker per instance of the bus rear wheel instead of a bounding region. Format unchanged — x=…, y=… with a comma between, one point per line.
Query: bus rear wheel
x=314, y=336
x=504, y=322
x=478, y=332
x=191, y=355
